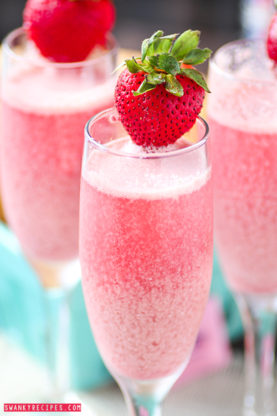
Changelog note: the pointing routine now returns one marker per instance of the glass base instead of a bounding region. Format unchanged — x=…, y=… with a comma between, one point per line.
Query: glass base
x=258, y=313
x=144, y=397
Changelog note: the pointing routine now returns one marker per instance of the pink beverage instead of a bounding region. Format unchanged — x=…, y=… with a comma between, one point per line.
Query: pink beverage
x=45, y=108
x=145, y=250
x=243, y=121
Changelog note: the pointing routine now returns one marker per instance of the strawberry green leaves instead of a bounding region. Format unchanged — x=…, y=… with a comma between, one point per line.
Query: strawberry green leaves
x=185, y=43
x=196, y=76
x=133, y=66
x=156, y=44
x=197, y=56
x=155, y=78
x=165, y=62
x=144, y=87
x=164, y=57
x=173, y=86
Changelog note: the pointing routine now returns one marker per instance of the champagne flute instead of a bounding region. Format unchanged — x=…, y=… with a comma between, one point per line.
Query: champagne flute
x=146, y=254
x=45, y=107
x=242, y=117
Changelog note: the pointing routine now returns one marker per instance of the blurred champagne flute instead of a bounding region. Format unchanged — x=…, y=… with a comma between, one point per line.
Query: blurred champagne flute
x=45, y=107
x=243, y=120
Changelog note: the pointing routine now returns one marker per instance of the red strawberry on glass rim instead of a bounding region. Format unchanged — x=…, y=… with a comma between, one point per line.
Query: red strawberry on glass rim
x=271, y=42
x=159, y=96
x=68, y=30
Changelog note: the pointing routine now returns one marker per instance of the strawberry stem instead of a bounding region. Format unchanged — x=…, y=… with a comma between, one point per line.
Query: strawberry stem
x=164, y=57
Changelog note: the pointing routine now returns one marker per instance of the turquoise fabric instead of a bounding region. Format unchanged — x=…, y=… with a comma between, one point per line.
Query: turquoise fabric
x=220, y=289
x=22, y=314
x=88, y=368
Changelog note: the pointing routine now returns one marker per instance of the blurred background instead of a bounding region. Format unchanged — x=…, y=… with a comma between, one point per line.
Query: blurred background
x=219, y=20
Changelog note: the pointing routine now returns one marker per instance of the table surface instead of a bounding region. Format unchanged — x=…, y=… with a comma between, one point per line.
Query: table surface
x=219, y=394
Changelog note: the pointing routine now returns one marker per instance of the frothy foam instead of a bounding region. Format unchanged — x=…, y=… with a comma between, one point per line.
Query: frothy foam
x=40, y=88
x=138, y=178
x=244, y=86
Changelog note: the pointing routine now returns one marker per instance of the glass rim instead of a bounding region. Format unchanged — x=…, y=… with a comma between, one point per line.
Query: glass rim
x=9, y=38
x=161, y=155
x=228, y=74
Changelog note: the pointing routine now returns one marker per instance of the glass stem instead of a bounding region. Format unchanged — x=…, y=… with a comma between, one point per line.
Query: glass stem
x=57, y=342
x=144, y=398
x=141, y=406
x=259, y=320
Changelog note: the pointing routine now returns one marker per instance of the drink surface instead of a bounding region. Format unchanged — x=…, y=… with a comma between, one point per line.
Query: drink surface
x=145, y=250
x=44, y=114
x=244, y=142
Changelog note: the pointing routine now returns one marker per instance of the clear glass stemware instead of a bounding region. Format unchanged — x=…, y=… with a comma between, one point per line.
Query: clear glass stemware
x=243, y=121
x=146, y=254
x=45, y=107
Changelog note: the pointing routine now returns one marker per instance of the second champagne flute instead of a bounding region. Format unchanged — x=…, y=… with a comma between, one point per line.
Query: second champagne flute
x=45, y=107
x=242, y=116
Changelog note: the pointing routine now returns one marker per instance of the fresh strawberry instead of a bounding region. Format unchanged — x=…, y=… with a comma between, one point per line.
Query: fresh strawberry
x=68, y=30
x=156, y=117
x=272, y=39
x=159, y=96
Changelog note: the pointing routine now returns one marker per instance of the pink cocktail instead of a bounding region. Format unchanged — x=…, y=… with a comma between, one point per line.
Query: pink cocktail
x=242, y=116
x=243, y=120
x=45, y=108
x=145, y=249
